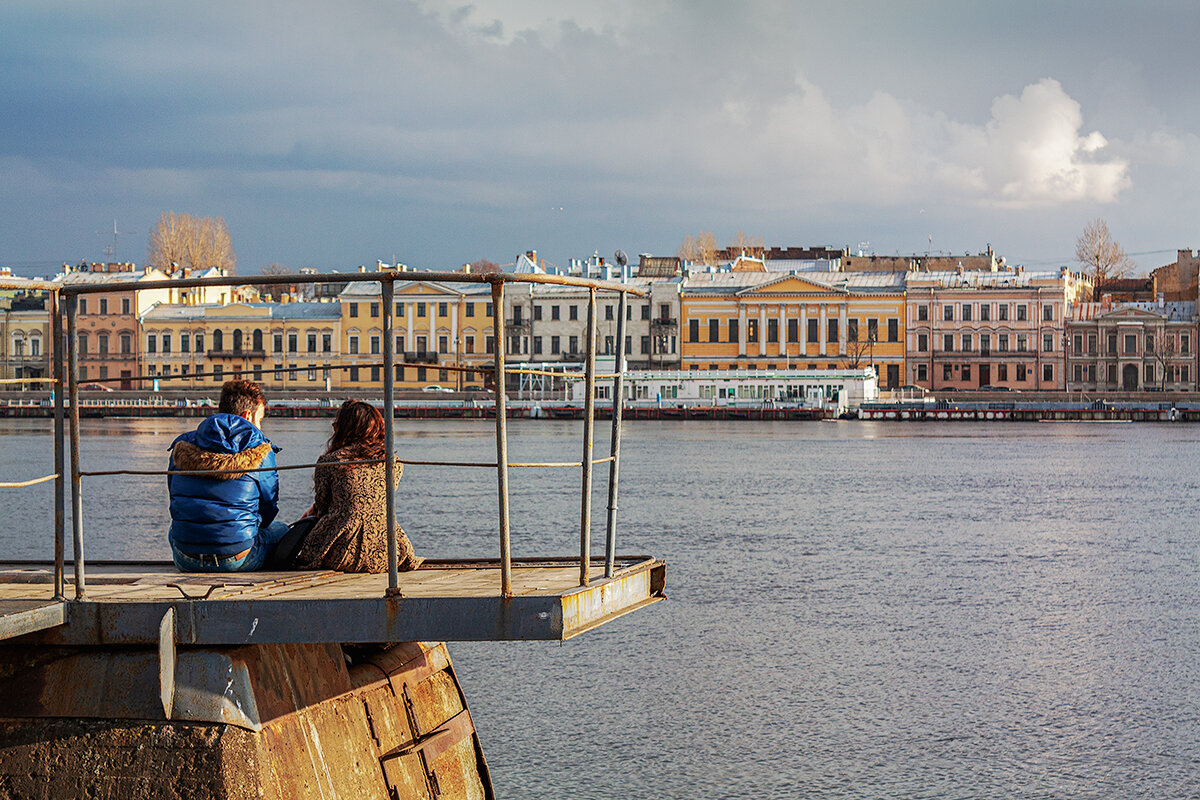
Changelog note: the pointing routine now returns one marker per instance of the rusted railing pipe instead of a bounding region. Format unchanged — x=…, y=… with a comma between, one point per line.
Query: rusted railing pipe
x=589, y=433
x=498, y=344
x=389, y=440
x=76, y=481
x=60, y=482
x=614, y=466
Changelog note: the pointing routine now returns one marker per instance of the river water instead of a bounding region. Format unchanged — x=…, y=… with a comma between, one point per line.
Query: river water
x=856, y=610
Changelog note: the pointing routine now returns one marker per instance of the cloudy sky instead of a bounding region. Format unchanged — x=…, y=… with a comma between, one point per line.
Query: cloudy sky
x=335, y=134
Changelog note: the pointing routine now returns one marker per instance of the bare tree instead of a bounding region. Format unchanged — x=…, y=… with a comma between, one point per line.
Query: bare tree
x=484, y=267
x=275, y=291
x=700, y=249
x=858, y=347
x=751, y=246
x=1162, y=349
x=1101, y=254
x=181, y=241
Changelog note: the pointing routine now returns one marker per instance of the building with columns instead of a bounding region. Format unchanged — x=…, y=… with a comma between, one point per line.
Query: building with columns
x=1134, y=346
x=762, y=320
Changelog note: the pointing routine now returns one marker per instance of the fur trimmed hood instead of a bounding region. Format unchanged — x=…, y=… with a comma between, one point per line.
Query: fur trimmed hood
x=190, y=457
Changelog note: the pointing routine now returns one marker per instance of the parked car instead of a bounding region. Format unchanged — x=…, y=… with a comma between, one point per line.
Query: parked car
x=95, y=387
x=433, y=387
x=990, y=388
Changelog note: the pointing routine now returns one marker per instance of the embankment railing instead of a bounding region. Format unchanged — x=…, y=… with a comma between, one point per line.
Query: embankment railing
x=62, y=304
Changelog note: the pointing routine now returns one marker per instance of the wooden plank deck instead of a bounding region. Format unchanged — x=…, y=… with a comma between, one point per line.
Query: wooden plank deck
x=442, y=601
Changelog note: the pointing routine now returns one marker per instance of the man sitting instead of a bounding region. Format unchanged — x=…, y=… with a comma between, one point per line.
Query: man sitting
x=225, y=522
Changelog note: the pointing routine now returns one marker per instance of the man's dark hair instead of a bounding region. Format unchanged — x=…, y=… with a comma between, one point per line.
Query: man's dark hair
x=238, y=397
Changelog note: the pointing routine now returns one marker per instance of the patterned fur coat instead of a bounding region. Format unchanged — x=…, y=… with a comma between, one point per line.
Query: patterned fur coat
x=350, y=534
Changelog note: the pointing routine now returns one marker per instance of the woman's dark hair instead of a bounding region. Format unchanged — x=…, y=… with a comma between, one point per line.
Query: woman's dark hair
x=358, y=425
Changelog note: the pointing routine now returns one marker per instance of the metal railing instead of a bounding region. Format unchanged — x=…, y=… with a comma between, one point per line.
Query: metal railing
x=62, y=305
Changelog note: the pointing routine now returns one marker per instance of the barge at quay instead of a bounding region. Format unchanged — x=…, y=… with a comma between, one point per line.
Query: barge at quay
x=133, y=680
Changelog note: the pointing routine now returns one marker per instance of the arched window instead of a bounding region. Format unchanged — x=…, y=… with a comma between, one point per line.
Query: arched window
x=218, y=340
x=237, y=340
x=257, y=340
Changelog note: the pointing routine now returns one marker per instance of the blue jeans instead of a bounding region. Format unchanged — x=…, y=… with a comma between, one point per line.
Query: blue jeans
x=266, y=539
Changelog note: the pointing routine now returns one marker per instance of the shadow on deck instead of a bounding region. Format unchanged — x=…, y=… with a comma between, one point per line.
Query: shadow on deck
x=449, y=600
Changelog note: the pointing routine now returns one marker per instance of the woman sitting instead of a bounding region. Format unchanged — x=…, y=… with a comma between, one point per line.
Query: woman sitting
x=350, y=534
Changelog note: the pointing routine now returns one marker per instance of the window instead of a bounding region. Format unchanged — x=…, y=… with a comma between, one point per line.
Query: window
x=1185, y=344
x=421, y=374
x=354, y=374
x=374, y=309
x=489, y=343
x=1048, y=314
x=645, y=345
x=353, y=340
x=985, y=344
x=664, y=311
x=375, y=374
x=399, y=344
x=1092, y=346
x=966, y=342
x=852, y=330
x=554, y=312
x=1003, y=312
x=199, y=342
x=443, y=344
x=948, y=313
x=555, y=345
x=83, y=305
x=872, y=330
x=714, y=330
x=793, y=330
x=812, y=330
x=537, y=313
x=400, y=311
x=733, y=331
x=922, y=313
x=1022, y=343
x=966, y=372
x=293, y=342
x=893, y=330
x=922, y=343
x=519, y=314
x=256, y=340
x=375, y=345
x=125, y=306
x=103, y=305
x=1002, y=372
x=966, y=314
x=1112, y=373
x=218, y=373
x=985, y=312
x=646, y=311
x=443, y=309
x=83, y=342
x=423, y=342
x=1149, y=374
x=752, y=330
x=773, y=331
x=1130, y=344
x=1048, y=373
x=353, y=309
x=1112, y=344
x=948, y=342
x=312, y=342
x=573, y=311
x=1149, y=344
x=947, y=372
x=1047, y=342
x=832, y=326
x=1079, y=373
x=922, y=372
x=151, y=342
x=469, y=309
x=420, y=309
x=693, y=329
x=166, y=342
x=608, y=312
x=1021, y=370
x=1002, y=342
x=1022, y=312
x=278, y=342
x=488, y=311
x=469, y=344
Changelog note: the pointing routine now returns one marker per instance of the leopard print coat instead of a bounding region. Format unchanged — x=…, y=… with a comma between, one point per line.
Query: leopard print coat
x=350, y=534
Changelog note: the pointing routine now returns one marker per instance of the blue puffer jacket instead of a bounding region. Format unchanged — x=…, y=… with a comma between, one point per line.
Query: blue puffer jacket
x=221, y=515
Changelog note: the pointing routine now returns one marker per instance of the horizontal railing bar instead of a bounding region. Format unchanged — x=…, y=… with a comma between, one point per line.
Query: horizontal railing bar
x=281, y=468
x=31, y=482
x=354, y=277
x=4, y=381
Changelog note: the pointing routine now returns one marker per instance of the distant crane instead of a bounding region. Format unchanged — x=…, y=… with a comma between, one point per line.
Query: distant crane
x=110, y=250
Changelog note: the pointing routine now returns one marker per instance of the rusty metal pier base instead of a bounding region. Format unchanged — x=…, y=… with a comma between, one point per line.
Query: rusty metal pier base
x=261, y=721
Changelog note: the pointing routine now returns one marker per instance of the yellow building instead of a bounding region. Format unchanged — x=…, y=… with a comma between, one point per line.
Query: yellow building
x=820, y=320
x=24, y=335
x=256, y=341
x=436, y=325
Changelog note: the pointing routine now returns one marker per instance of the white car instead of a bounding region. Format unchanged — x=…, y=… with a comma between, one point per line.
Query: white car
x=433, y=387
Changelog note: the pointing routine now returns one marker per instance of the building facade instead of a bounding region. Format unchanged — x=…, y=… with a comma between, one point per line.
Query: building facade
x=969, y=330
x=24, y=335
x=1140, y=346
x=762, y=320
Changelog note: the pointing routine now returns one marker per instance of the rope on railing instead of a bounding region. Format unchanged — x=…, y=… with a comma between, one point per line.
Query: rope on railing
x=406, y=462
x=31, y=482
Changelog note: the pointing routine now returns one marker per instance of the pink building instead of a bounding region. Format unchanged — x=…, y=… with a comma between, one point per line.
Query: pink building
x=968, y=330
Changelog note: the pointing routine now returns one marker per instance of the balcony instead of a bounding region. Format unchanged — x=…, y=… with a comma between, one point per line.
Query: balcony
x=522, y=327
x=421, y=356
x=663, y=325
x=234, y=354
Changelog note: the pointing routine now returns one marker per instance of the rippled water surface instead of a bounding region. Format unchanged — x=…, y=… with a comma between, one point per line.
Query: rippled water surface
x=856, y=609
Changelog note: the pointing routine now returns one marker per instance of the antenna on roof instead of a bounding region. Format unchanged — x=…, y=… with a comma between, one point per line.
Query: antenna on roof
x=110, y=250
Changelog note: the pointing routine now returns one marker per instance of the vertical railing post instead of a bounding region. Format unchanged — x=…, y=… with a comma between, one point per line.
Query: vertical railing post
x=76, y=483
x=589, y=433
x=389, y=442
x=60, y=467
x=501, y=436
x=614, y=466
